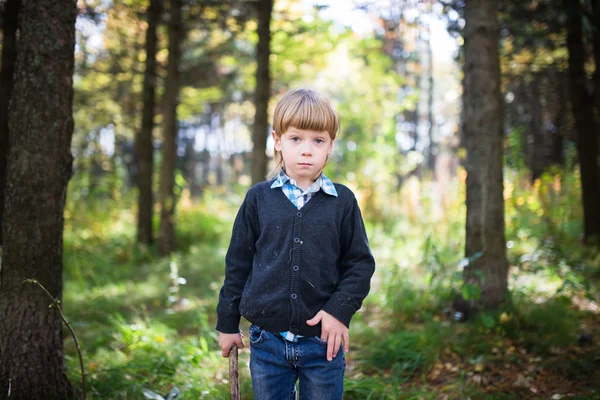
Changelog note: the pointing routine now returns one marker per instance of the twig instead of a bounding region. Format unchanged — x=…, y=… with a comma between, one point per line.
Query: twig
x=55, y=303
x=234, y=381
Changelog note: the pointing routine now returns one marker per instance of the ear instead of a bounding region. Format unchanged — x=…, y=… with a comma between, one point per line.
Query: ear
x=276, y=140
x=330, y=147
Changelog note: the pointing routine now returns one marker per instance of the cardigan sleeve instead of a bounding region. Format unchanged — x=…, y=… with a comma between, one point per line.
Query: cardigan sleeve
x=357, y=266
x=238, y=264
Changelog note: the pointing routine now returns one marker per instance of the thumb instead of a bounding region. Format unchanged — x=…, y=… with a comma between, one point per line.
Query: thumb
x=316, y=319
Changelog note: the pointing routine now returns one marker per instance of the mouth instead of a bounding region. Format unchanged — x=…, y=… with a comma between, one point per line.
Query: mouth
x=304, y=164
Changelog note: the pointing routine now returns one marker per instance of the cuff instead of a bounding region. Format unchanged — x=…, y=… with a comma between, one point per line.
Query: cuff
x=229, y=324
x=339, y=310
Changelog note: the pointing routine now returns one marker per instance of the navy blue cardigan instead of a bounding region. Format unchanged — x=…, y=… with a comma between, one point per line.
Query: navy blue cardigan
x=284, y=265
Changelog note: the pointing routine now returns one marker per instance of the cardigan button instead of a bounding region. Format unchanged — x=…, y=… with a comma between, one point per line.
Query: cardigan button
x=294, y=296
x=299, y=214
x=295, y=268
x=296, y=240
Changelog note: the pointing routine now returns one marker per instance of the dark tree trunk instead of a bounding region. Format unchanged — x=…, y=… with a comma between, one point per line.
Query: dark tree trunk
x=260, y=129
x=585, y=125
x=94, y=171
x=483, y=132
x=39, y=168
x=168, y=199
x=562, y=120
x=536, y=158
x=9, y=57
x=596, y=49
x=554, y=114
x=143, y=143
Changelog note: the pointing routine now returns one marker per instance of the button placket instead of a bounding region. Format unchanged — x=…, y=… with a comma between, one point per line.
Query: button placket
x=295, y=275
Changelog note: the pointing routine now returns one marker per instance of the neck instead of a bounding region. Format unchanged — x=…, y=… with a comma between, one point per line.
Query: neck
x=306, y=182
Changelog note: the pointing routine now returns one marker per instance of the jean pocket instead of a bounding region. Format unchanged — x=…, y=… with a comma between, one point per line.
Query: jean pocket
x=257, y=334
x=319, y=340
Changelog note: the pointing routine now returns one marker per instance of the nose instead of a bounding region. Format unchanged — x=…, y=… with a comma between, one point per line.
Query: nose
x=306, y=149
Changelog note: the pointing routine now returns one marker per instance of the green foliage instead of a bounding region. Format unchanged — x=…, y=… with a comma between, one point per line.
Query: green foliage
x=138, y=317
x=542, y=326
x=402, y=353
x=149, y=355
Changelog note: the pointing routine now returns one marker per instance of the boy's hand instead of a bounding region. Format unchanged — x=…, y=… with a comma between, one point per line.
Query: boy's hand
x=332, y=331
x=227, y=340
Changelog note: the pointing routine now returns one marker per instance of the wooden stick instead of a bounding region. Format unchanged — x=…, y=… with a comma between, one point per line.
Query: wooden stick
x=234, y=376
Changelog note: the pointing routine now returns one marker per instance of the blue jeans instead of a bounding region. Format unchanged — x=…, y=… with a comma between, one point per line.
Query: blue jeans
x=276, y=364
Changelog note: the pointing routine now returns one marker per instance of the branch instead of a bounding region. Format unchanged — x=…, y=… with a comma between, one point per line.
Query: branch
x=55, y=303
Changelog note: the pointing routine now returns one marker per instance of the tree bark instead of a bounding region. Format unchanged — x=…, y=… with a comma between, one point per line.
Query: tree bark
x=39, y=168
x=536, y=123
x=596, y=51
x=9, y=57
x=585, y=125
x=262, y=93
x=143, y=144
x=168, y=199
x=483, y=132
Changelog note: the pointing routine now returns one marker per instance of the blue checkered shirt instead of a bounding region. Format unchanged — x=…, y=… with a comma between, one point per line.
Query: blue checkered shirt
x=299, y=198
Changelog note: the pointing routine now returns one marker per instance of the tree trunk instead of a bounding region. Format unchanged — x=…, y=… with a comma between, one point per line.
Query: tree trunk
x=555, y=113
x=143, y=144
x=39, y=168
x=483, y=132
x=596, y=50
x=260, y=129
x=168, y=199
x=536, y=123
x=94, y=172
x=585, y=125
x=9, y=57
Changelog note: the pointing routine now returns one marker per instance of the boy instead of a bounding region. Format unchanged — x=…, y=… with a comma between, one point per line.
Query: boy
x=299, y=263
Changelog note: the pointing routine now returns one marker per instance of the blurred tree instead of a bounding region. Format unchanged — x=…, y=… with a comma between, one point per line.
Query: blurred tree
x=582, y=105
x=533, y=66
x=39, y=168
x=366, y=151
x=534, y=76
x=406, y=31
x=595, y=25
x=544, y=64
x=431, y=149
x=7, y=68
x=260, y=129
x=402, y=40
x=486, y=276
x=144, y=146
x=108, y=80
x=167, y=197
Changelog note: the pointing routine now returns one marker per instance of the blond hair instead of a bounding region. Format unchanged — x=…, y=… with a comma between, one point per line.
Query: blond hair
x=303, y=109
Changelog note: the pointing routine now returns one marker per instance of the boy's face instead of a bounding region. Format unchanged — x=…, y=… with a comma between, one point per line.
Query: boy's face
x=304, y=153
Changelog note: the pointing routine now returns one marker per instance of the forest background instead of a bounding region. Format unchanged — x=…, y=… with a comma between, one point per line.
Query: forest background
x=469, y=135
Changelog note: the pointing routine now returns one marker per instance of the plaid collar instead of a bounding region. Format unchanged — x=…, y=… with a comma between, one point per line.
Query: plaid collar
x=322, y=182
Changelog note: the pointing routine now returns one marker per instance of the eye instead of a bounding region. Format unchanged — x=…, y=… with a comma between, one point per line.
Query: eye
x=319, y=141
x=295, y=139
